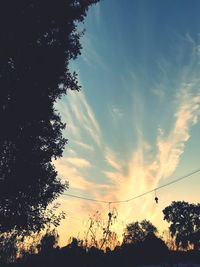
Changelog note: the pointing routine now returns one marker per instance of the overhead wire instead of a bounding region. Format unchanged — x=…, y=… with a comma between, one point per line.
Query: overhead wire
x=138, y=196
x=86, y=198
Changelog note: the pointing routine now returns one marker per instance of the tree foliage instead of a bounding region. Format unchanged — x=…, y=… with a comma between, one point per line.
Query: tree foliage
x=37, y=41
x=8, y=248
x=184, y=219
x=138, y=231
x=48, y=241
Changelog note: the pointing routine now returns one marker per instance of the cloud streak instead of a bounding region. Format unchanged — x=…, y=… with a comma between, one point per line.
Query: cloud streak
x=112, y=160
x=80, y=119
x=147, y=164
x=171, y=148
x=141, y=174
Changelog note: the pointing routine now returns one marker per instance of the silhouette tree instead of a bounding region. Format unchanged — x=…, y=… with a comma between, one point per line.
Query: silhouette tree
x=37, y=39
x=184, y=219
x=153, y=249
x=109, y=238
x=100, y=232
x=48, y=241
x=137, y=231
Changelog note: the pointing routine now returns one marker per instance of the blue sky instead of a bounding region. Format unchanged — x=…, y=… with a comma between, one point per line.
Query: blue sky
x=135, y=123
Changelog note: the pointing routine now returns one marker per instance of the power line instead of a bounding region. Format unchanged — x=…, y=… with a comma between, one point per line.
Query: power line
x=85, y=198
x=138, y=196
x=164, y=185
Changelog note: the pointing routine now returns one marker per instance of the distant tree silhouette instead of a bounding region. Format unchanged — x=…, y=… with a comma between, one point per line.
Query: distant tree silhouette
x=150, y=251
x=74, y=242
x=37, y=41
x=184, y=219
x=154, y=249
x=48, y=241
x=137, y=231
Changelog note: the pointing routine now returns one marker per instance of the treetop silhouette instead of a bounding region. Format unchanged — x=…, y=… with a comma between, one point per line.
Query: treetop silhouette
x=38, y=39
x=185, y=223
x=138, y=231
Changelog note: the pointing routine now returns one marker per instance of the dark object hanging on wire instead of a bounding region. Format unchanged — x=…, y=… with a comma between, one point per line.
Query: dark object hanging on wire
x=156, y=198
x=137, y=196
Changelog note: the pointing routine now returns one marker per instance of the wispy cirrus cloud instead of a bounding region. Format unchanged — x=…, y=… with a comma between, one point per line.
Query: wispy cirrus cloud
x=68, y=118
x=116, y=111
x=90, y=54
x=141, y=174
x=85, y=146
x=80, y=118
x=112, y=160
x=148, y=163
x=147, y=167
x=78, y=162
x=68, y=171
x=171, y=148
x=117, y=114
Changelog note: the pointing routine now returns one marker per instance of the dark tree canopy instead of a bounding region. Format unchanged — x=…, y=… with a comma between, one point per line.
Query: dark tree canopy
x=138, y=231
x=184, y=219
x=37, y=41
x=48, y=241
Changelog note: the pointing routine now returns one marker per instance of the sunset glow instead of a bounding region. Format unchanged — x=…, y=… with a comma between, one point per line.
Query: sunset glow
x=135, y=123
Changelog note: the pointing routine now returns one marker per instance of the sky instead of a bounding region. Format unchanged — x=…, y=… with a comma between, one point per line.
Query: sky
x=134, y=125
